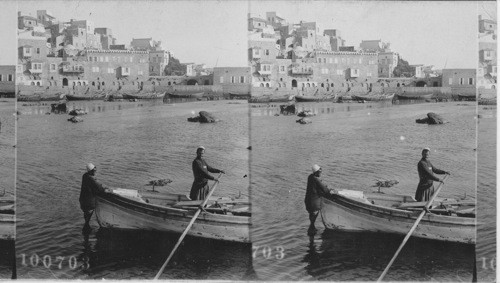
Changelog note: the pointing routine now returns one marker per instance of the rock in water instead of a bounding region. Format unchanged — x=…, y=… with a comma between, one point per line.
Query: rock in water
x=434, y=118
x=304, y=121
x=75, y=119
x=306, y=113
x=58, y=107
x=76, y=112
x=288, y=109
x=206, y=117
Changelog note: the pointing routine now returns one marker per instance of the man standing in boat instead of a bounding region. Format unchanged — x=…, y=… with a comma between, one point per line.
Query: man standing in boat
x=200, y=188
x=90, y=188
x=315, y=190
x=426, y=171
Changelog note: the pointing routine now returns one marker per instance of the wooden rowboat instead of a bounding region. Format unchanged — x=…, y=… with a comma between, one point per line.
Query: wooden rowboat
x=7, y=219
x=186, y=95
x=223, y=219
x=319, y=98
x=374, y=97
x=144, y=96
x=358, y=211
x=415, y=97
x=75, y=97
x=467, y=97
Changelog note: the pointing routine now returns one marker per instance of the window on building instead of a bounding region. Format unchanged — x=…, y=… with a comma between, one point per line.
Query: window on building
x=1, y=77
x=336, y=60
x=111, y=70
x=221, y=79
x=37, y=50
x=461, y=81
x=140, y=73
x=106, y=59
x=267, y=51
x=369, y=74
x=471, y=81
x=232, y=80
x=131, y=59
x=282, y=69
x=52, y=67
x=360, y=60
x=242, y=79
x=450, y=81
x=27, y=51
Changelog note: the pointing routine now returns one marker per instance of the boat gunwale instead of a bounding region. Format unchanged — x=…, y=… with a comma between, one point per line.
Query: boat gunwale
x=167, y=211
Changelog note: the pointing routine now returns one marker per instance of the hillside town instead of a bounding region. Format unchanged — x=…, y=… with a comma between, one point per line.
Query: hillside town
x=487, y=68
x=305, y=57
x=76, y=56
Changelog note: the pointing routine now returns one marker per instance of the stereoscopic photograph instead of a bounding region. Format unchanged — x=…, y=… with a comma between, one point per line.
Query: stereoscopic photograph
x=248, y=140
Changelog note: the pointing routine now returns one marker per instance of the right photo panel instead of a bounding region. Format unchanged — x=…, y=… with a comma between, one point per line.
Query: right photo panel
x=364, y=123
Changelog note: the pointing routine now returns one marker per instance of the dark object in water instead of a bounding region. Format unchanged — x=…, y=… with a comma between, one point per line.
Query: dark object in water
x=75, y=119
x=431, y=119
x=76, y=112
x=288, y=109
x=58, y=108
x=204, y=117
x=249, y=148
x=304, y=120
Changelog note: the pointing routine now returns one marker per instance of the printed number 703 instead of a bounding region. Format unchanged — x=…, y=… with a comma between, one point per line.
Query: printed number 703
x=268, y=252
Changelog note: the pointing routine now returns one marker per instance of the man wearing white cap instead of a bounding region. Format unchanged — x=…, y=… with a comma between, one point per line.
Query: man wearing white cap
x=315, y=190
x=426, y=171
x=90, y=187
x=199, y=189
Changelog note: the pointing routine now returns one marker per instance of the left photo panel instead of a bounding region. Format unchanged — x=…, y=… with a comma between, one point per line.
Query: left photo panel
x=133, y=150
x=7, y=141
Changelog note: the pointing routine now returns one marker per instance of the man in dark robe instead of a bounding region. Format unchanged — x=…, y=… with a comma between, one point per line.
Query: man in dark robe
x=200, y=188
x=315, y=190
x=426, y=171
x=90, y=188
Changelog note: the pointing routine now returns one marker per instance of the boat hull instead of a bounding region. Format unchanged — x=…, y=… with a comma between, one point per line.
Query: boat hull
x=344, y=213
x=82, y=97
x=373, y=97
x=415, y=97
x=187, y=95
x=7, y=227
x=118, y=212
x=313, y=98
x=145, y=96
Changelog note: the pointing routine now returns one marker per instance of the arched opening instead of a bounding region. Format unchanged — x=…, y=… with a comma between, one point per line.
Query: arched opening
x=169, y=83
x=281, y=79
x=261, y=84
x=267, y=84
x=308, y=85
x=79, y=83
x=192, y=82
x=93, y=83
x=65, y=82
x=102, y=83
x=398, y=85
x=332, y=85
x=322, y=85
x=493, y=87
x=294, y=83
x=74, y=83
x=420, y=84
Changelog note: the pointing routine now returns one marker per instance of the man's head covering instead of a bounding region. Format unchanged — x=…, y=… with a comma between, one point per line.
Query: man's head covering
x=200, y=148
x=315, y=168
x=90, y=167
x=426, y=149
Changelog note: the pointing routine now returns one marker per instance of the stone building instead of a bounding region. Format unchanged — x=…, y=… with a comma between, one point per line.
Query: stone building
x=462, y=81
x=387, y=61
x=236, y=80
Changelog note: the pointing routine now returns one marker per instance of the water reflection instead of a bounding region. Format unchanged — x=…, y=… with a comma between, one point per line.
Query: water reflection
x=316, y=108
x=340, y=255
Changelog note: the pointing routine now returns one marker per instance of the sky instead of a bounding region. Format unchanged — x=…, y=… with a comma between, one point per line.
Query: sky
x=443, y=34
x=210, y=32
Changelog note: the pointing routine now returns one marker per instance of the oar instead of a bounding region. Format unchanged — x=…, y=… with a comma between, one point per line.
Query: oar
x=412, y=229
x=187, y=229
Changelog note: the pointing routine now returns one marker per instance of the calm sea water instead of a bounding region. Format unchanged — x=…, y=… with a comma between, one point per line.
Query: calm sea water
x=131, y=143
x=7, y=180
x=355, y=144
x=486, y=193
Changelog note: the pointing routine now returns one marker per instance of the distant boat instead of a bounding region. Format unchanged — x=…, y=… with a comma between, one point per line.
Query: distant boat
x=415, y=96
x=74, y=97
x=233, y=95
x=186, y=95
x=40, y=97
x=271, y=99
x=144, y=96
x=467, y=97
x=316, y=98
x=7, y=221
x=223, y=219
x=374, y=97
